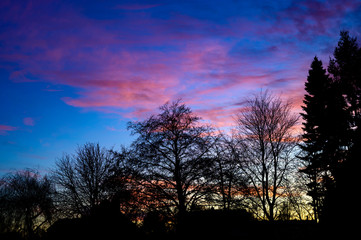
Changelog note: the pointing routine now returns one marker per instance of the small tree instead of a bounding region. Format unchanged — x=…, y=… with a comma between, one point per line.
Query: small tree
x=265, y=129
x=81, y=179
x=26, y=202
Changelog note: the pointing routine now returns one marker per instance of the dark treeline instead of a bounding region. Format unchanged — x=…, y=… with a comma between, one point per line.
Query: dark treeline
x=181, y=177
x=332, y=137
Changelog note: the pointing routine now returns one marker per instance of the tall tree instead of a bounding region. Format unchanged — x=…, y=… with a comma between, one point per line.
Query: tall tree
x=345, y=69
x=332, y=121
x=324, y=145
x=314, y=119
x=265, y=127
x=172, y=149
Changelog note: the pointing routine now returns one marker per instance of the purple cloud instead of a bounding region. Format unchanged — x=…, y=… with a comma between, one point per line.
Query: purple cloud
x=138, y=60
x=28, y=121
x=4, y=129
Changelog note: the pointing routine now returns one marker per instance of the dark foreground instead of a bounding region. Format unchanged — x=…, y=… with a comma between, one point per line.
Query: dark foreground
x=196, y=225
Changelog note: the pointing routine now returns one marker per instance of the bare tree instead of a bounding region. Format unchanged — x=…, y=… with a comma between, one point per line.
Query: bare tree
x=81, y=179
x=172, y=149
x=228, y=180
x=26, y=203
x=265, y=128
x=297, y=198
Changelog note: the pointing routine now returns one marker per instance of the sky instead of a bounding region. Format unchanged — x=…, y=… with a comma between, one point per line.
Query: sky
x=73, y=72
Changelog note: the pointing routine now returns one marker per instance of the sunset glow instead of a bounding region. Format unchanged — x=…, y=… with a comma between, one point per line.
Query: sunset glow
x=78, y=71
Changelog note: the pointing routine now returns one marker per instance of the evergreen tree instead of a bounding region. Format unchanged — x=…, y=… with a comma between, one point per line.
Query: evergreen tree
x=326, y=137
x=314, y=117
x=332, y=131
x=345, y=68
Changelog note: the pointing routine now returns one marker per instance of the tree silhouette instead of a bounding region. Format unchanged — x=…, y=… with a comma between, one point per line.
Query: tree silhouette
x=171, y=149
x=81, y=179
x=345, y=69
x=332, y=135
x=315, y=117
x=231, y=186
x=265, y=128
x=26, y=203
x=122, y=184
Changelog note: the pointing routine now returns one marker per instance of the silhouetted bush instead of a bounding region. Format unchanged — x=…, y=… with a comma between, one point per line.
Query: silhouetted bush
x=105, y=222
x=217, y=223
x=155, y=224
x=293, y=229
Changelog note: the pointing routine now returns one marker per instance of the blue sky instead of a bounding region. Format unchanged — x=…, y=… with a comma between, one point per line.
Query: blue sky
x=77, y=71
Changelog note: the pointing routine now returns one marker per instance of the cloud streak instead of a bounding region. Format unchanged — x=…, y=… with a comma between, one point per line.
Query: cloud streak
x=5, y=129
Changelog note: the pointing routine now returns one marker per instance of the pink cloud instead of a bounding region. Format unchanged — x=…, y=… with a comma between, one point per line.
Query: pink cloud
x=113, y=129
x=220, y=117
x=28, y=121
x=123, y=65
x=138, y=82
x=4, y=129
